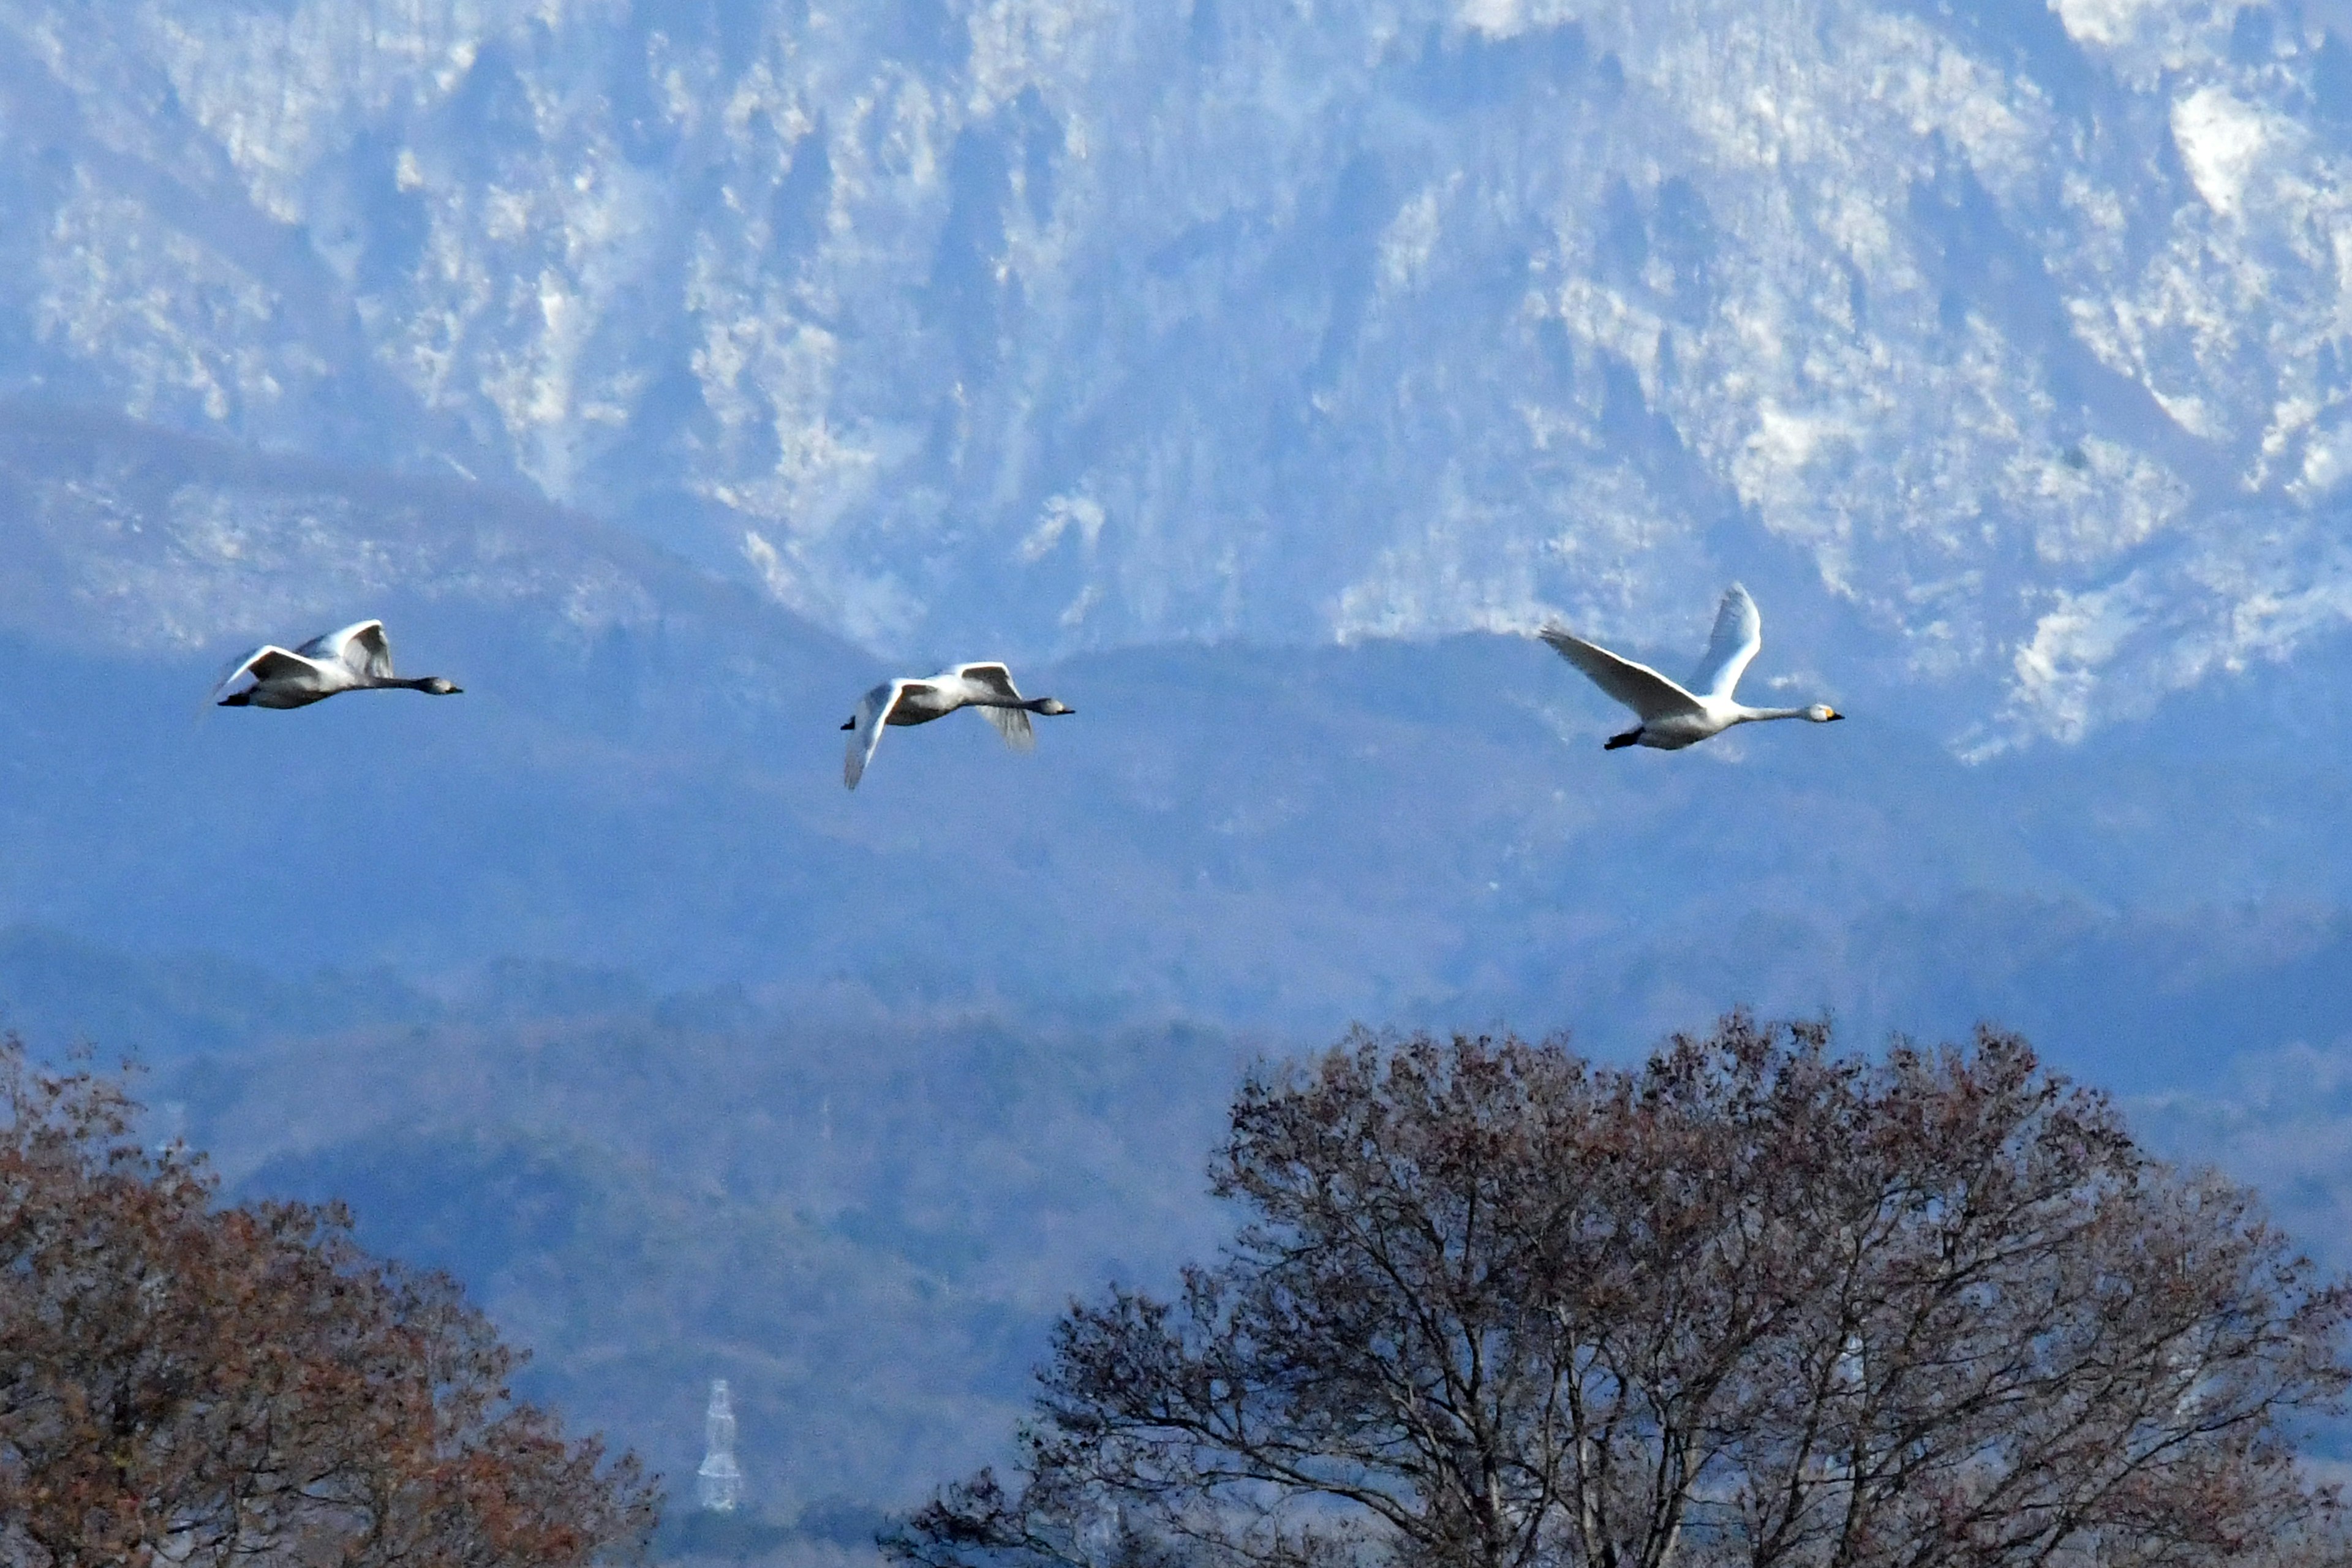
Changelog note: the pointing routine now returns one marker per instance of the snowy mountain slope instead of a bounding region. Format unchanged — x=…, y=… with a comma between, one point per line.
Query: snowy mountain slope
x=2019, y=331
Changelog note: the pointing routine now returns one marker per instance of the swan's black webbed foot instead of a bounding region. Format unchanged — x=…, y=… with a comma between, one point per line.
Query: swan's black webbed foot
x=1630, y=737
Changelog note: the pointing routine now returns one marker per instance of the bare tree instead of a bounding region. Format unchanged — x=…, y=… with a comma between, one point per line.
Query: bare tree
x=1751, y=1303
x=188, y=1383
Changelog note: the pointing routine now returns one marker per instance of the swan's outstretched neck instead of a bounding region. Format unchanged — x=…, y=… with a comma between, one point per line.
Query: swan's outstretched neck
x=1756, y=714
x=1049, y=706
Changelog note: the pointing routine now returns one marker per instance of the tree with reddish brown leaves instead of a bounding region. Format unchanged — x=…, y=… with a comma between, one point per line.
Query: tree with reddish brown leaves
x=1751, y=1303
x=184, y=1381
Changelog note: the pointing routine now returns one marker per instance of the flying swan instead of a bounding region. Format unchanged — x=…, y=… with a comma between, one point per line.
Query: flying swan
x=987, y=687
x=357, y=658
x=1672, y=716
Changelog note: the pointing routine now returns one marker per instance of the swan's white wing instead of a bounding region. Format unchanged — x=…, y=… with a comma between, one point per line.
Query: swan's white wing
x=238, y=671
x=361, y=647
x=1012, y=723
x=871, y=713
x=267, y=662
x=1637, y=686
x=1739, y=633
x=995, y=680
x=368, y=643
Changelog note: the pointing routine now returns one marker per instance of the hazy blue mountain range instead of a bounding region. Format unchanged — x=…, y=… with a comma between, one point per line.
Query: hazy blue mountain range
x=643, y=776
x=2015, y=330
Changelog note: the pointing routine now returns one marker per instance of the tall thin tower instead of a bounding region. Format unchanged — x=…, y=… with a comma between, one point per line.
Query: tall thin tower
x=718, y=1485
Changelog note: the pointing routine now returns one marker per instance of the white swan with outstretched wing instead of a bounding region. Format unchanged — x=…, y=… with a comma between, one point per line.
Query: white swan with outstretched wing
x=356, y=659
x=987, y=686
x=1676, y=716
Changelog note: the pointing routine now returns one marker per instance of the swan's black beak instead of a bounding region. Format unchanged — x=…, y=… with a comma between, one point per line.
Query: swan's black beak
x=1835, y=716
x=850, y=724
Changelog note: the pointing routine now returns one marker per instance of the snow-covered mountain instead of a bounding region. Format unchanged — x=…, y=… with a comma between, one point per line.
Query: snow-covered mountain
x=2011, y=341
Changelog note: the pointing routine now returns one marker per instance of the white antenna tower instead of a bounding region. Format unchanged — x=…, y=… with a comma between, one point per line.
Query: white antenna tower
x=719, y=1484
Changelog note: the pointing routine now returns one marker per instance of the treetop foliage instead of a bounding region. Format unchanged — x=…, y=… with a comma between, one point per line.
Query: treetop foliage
x=1751, y=1301
x=186, y=1382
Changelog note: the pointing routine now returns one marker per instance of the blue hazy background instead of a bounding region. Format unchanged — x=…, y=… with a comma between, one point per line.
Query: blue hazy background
x=1256, y=378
